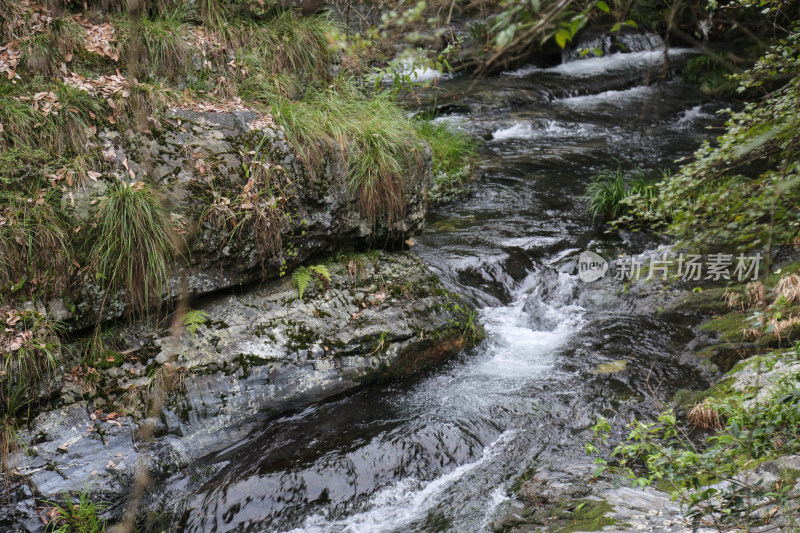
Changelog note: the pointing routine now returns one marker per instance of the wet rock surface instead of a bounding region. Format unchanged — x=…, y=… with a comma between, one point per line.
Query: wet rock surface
x=257, y=354
x=195, y=154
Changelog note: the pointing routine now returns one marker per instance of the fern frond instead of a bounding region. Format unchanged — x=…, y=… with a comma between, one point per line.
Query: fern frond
x=193, y=319
x=321, y=271
x=301, y=277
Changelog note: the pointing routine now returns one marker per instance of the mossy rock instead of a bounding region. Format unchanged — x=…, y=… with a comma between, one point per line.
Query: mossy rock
x=728, y=327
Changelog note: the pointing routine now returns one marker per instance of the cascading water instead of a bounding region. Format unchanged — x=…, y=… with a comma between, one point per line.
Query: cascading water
x=439, y=452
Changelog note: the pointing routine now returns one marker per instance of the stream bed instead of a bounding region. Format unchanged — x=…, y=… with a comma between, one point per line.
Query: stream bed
x=439, y=451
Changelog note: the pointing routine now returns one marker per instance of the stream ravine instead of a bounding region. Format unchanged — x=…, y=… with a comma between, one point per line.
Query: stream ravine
x=440, y=451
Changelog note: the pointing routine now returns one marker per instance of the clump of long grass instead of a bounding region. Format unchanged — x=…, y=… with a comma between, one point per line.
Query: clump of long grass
x=612, y=193
x=71, y=129
x=452, y=151
x=378, y=143
x=157, y=44
x=81, y=516
x=31, y=355
x=35, y=243
x=257, y=213
x=40, y=55
x=135, y=243
x=18, y=119
x=67, y=35
x=283, y=55
x=9, y=444
x=65, y=129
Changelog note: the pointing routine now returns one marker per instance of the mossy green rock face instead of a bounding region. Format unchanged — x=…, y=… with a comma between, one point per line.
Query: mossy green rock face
x=258, y=354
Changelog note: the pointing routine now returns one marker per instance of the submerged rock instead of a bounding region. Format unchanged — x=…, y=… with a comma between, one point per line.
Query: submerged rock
x=254, y=355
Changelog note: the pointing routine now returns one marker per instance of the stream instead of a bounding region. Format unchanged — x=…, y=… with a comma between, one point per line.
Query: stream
x=439, y=451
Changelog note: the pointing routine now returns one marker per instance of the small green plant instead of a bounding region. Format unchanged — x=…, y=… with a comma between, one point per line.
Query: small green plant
x=193, y=319
x=134, y=247
x=712, y=72
x=467, y=321
x=612, y=194
x=453, y=151
x=82, y=516
x=303, y=276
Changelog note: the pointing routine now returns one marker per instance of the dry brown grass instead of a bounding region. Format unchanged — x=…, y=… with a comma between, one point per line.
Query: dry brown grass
x=789, y=288
x=705, y=416
x=756, y=292
x=8, y=447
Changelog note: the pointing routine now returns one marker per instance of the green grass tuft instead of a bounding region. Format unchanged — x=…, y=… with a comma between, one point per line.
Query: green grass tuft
x=374, y=137
x=452, y=153
x=31, y=357
x=82, y=516
x=157, y=45
x=40, y=55
x=134, y=246
x=612, y=192
x=35, y=247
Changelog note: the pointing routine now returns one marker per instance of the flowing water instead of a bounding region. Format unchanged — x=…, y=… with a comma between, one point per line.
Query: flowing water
x=440, y=451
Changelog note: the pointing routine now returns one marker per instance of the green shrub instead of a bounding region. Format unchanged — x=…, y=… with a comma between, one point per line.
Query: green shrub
x=135, y=242
x=660, y=453
x=713, y=73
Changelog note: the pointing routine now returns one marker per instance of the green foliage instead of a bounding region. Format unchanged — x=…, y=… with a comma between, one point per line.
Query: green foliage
x=64, y=130
x=157, y=45
x=258, y=212
x=467, y=322
x=753, y=432
x=522, y=25
x=193, y=319
x=134, y=245
x=713, y=72
x=613, y=194
x=452, y=153
x=743, y=190
x=40, y=55
x=286, y=44
x=303, y=276
x=82, y=516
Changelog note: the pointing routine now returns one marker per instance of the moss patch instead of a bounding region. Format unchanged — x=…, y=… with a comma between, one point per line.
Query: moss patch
x=729, y=326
